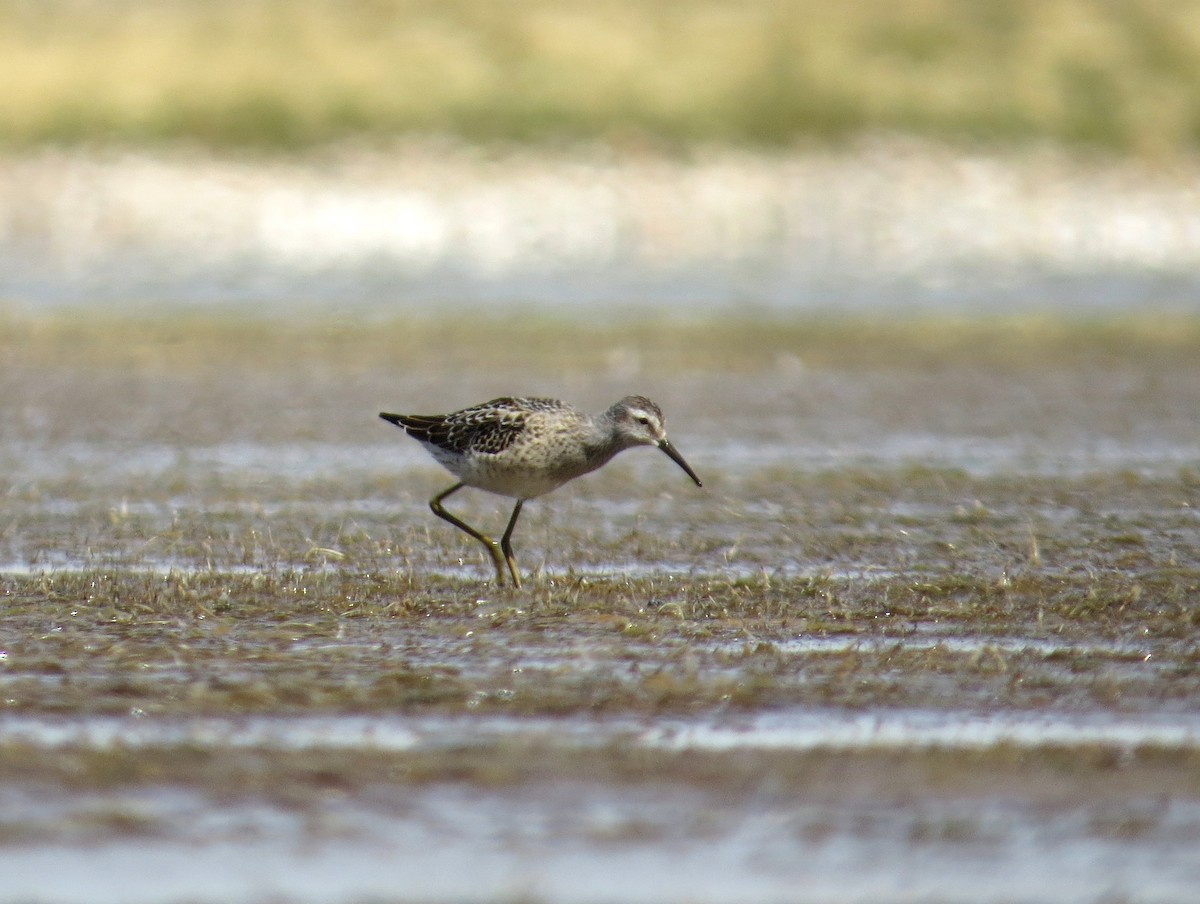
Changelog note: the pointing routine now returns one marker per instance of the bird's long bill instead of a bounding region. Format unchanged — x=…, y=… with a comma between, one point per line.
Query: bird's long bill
x=678, y=459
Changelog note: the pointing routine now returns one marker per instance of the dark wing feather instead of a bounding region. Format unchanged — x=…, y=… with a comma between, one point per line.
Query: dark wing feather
x=489, y=428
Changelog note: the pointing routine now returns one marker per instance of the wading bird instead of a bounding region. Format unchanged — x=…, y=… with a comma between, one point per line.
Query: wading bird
x=525, y=448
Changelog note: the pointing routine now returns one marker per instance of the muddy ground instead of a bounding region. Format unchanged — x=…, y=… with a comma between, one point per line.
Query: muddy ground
x=930, y=631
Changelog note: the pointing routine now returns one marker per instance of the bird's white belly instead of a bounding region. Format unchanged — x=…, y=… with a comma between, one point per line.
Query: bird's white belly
x=506, y=475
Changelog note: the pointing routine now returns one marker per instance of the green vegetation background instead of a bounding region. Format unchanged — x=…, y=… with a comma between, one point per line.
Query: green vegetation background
x=1122, y=75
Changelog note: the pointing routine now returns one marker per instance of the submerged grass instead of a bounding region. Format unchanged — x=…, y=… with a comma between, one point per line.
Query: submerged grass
x=305, y=779
x=174, y=549
x=270, y=74
x=112, y=641
x=208, y=539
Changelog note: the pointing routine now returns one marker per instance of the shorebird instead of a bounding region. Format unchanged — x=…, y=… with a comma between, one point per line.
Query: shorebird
x=524, y=448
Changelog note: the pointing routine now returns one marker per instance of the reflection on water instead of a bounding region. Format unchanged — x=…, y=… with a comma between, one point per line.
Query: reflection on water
x=884, y=225
x=583, y=844
x=799, y=730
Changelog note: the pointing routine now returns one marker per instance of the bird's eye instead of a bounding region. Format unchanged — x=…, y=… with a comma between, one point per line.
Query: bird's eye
x=644, y=421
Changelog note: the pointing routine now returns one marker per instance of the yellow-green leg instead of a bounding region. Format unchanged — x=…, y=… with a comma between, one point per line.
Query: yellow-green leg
x=493, y=548
x=501, y=552
x=506, y=544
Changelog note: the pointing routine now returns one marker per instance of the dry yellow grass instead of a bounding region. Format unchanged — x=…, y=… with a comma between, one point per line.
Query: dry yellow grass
x=268, y=73
x=544, y=343
x=444, y=345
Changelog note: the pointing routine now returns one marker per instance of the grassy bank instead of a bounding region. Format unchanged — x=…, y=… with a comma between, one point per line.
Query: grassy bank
x=539, y=342
x=1121, y=75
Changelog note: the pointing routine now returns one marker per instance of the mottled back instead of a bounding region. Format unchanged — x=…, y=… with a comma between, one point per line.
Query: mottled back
x=486, y=429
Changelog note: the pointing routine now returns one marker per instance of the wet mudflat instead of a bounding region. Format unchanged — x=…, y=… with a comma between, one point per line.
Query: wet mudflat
x=931, y=631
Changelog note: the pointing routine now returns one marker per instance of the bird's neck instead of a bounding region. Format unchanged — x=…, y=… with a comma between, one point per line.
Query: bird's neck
x=603, y=441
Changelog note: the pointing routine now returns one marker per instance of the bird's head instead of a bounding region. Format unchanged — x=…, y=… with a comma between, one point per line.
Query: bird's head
x=637, y=421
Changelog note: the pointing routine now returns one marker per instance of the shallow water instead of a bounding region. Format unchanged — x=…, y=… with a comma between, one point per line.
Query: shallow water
x=799, y=730
x=588, y=844
x=574, y=839
x=929, y=632
x=569, y=838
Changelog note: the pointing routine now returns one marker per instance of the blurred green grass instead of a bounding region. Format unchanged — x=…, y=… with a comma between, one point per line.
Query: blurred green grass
x=183, y=341
x=1122, y=75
